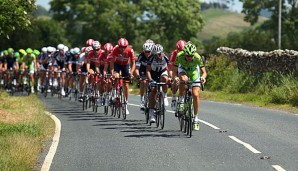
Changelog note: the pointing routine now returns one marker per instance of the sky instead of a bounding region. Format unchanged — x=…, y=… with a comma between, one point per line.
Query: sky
x=236, y=7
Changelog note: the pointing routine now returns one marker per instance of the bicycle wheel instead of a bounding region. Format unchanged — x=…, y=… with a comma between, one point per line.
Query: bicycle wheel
x=84, y=102
x=157, y=109
x=189, y=118
x=119, y=107
x=161, y=114
x=123, y=103
x=146, y=110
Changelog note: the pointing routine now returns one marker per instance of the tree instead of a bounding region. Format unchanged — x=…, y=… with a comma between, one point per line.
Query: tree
x=252, y=9
x=14, y=15
x=164, y=21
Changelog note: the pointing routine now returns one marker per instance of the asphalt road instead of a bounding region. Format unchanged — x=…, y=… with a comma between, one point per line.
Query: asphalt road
x=232, y=137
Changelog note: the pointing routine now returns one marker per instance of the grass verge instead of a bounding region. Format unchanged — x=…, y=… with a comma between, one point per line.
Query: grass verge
x=23, y=129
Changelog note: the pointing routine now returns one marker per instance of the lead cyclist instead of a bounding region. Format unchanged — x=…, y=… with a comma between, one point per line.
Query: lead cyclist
x=190, y=66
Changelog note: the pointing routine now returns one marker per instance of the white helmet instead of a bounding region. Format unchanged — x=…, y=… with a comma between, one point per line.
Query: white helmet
x=157, y=49
x=44, y=49
x=149, y=41
x=96, y=45
x=65, y=48
x=148, y=46
x=50, y=49
x=60, y=47
x=76, y=50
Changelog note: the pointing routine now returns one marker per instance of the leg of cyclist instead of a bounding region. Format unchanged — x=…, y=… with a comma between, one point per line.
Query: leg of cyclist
x=165, y=78
x=152, y=114
x=183, y=78
x=196, y=105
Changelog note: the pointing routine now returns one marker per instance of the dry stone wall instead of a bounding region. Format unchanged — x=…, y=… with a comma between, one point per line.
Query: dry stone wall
x=256, y=62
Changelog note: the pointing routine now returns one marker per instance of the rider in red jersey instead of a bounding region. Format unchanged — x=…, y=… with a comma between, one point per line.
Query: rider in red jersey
x=122, y=57
x=179, y=46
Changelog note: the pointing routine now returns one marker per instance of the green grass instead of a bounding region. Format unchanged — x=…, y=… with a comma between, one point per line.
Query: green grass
x=220, y=23
x=23, y=129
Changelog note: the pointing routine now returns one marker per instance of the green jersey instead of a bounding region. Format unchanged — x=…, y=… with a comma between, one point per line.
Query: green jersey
x=181, y=59
x=29, y=61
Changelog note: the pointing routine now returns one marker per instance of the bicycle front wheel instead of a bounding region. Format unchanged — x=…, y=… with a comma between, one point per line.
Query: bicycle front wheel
x=123, y=103
x=161, y=112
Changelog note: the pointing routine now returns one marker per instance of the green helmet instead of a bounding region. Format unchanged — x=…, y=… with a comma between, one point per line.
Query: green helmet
x=5, y=52
x=16, y=54
x=10, y=50
x=36, y=52
x=189, y=48
x=29, y=50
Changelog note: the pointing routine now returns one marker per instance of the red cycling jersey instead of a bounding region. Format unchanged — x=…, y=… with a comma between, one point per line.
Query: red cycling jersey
x=103, y=59
x=173, y=57
x=94, y=57
x=123, y=58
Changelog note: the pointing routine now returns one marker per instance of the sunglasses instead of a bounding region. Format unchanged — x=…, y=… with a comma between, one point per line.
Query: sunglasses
x=96, y=49
x=158, y=54
x=123, y=47
x=189, y=56
x=147, y=51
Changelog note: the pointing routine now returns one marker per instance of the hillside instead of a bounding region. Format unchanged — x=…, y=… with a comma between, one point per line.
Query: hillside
x=220, y=23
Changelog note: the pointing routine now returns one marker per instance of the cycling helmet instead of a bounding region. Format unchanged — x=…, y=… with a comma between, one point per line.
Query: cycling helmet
x=5, y=52
x=157, y=49
x=65, y=48
x=108, y=47
x=44, y=49
x=189, y=48
x=29, y=50
x=147, y=46
x=36, y=52
x=89, y=42
x=10, y=50
x=122, y=42
x=76, y=50
x=180, y=44
x=149, y=41
x=16, y=54
x=88, y=49
x=60, y=47
x=22, y=51
x=50, y=49
x=1, y=54
x=96, y=45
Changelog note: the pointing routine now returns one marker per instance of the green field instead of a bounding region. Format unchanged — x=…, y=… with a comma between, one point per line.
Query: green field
x=220, y=23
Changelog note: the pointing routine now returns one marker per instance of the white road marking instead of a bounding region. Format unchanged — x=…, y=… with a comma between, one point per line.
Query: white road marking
x=248, y=146
x=50, y=156
x=278, y=168
x=209, y=124
x=133, y=104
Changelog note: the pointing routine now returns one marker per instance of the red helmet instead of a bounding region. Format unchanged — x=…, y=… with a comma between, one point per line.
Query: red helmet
x=89, y=42
x=180, y=44
x=108, y=47
x=122, y=42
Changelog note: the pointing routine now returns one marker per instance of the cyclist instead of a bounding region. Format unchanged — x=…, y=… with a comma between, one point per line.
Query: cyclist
x=82, y=71
x=157, y=70
x=10, y=65
x=73, y=67
x=121, y=56
x=179, y=46
x=29, y=64
x=140, y=71
x=104, y=70
x=189, y=64
x=59, y=65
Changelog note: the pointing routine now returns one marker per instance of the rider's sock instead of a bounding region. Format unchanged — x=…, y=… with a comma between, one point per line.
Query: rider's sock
x=197, y=118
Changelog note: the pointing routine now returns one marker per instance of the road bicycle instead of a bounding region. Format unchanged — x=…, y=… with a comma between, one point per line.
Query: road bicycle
x=119, y=103
x=184, y=111
x=159, y=104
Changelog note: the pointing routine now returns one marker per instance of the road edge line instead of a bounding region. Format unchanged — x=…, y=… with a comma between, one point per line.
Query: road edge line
x=50, y=156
